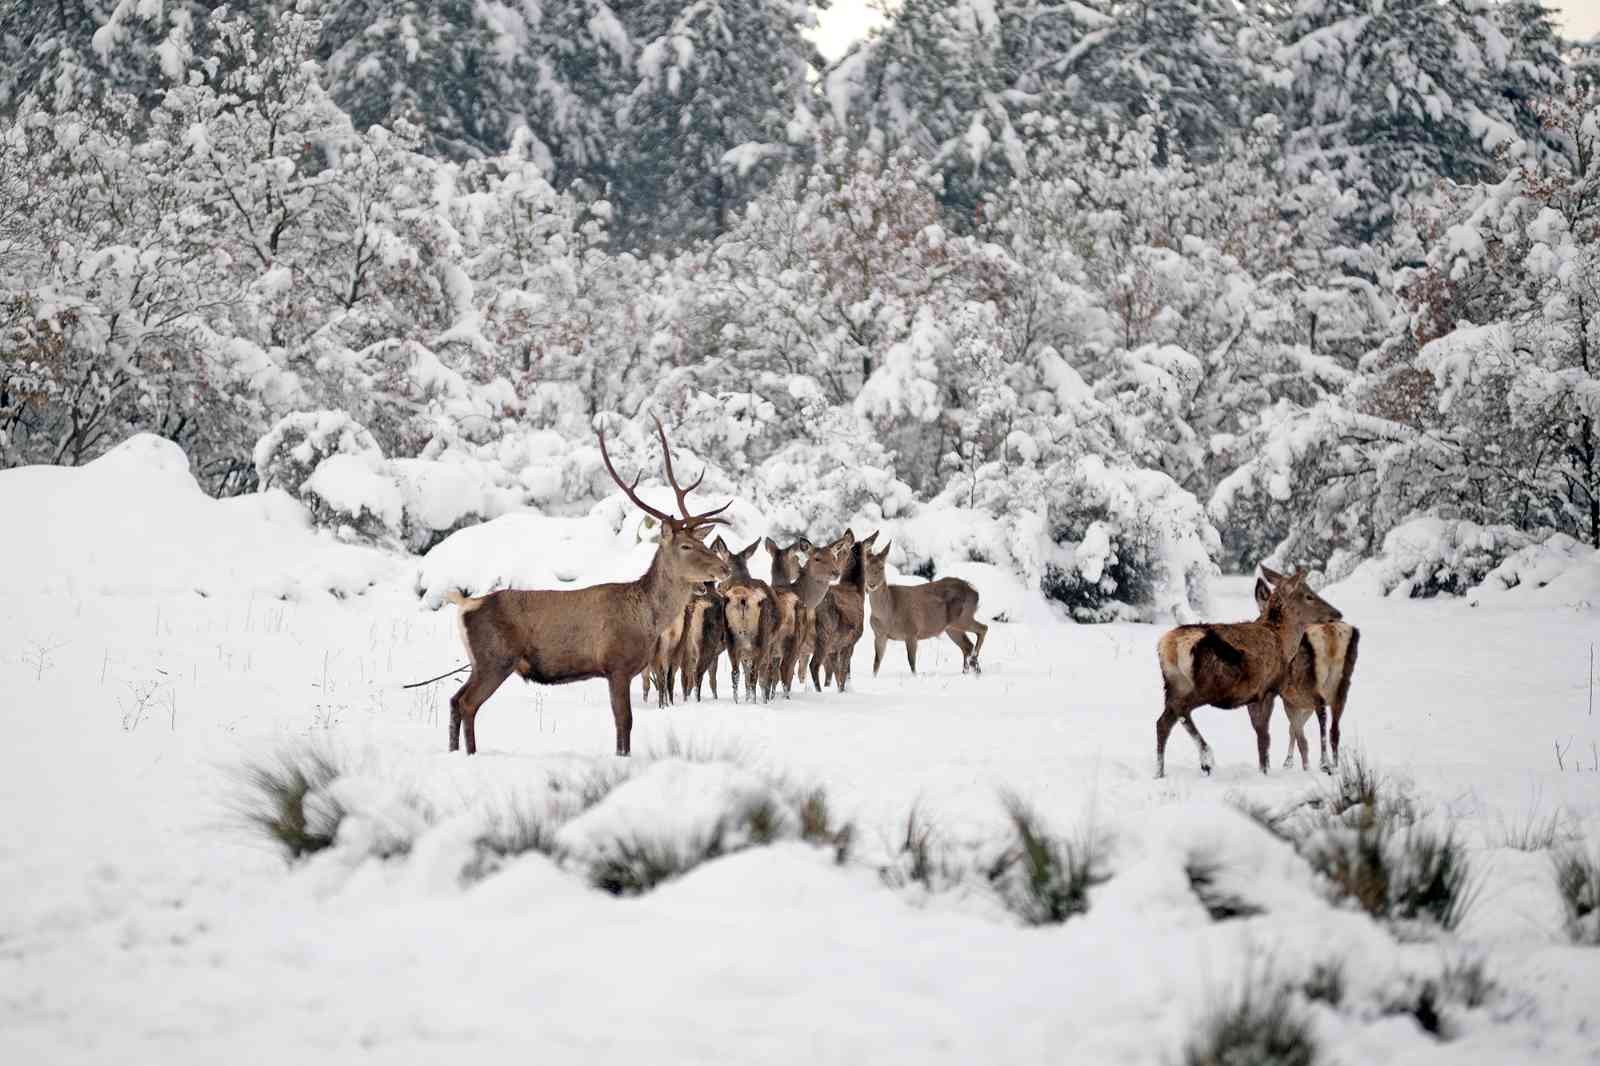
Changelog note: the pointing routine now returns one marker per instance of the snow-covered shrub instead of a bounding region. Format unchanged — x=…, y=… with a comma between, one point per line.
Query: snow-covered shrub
x=330, y=463
x=1134, y=543
x=1041, y=878
x=1578, y=882
x=1537, y=565
x=1429, y=556
x=817, y=488
x=1261, y=1022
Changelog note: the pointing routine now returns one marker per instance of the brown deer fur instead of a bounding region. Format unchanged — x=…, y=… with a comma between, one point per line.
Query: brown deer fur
x=554, y=636
x=705, y=636
x=841, y=619
x=919, y=612
x=1234, y=665
x=1318, y=679
x=663, y=665
x=821, y=571
x=751, y=617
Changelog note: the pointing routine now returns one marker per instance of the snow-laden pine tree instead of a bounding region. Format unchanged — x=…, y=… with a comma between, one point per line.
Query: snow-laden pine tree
x=1391, y=95
x=718, y=100
x=1483, y=405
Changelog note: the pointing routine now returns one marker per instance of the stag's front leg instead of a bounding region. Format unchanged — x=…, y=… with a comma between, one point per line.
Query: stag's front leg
x=1260, y=718
x=622, y=711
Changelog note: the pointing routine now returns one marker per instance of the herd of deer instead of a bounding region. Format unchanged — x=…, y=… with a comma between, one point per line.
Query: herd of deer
x=696, y=601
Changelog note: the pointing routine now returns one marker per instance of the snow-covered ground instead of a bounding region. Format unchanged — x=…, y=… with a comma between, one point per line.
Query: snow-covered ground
x=155, y=641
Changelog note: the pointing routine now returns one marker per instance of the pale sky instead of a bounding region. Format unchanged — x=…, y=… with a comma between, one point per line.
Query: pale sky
x=848, y=20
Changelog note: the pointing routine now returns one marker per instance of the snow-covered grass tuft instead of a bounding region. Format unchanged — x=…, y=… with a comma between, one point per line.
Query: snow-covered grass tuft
x=1578, y=883
x=1535, y=833
x=1044, y=879
x=284, y=798
x=1221, y=904
x=1429, y=1000
x=1326, y=983
x=1263, y=1023
x=1363, y=838
x=922, y=857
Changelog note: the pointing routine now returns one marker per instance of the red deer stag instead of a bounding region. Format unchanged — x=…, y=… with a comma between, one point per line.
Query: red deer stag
x=841, y=619
x=1319, y=679
x=1235, y=664
x=920, y=612
x=820, y=572
x=554, y=636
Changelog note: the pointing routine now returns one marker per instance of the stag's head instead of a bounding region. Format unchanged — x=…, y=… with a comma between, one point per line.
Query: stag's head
x=1293, y=598
x=875, y=564
x=681, y=551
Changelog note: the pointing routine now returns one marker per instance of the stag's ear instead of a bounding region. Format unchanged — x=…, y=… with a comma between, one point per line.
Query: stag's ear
x=1272, y=576
x=718, y=545
x=1263, y=593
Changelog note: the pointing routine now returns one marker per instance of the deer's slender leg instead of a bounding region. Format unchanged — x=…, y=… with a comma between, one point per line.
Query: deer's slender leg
x=480, y=685
x=1260, y=718
x=712, y=670
x=911, y=653
x=621, y=712
x=1333, y=732
x=1164, y=724
x=955, y=634
x=1322, y=735
x=983, y=632
x=1200, y=742
x=880, y=641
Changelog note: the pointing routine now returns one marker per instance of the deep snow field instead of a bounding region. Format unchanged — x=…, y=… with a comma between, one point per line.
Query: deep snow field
x=155, y=641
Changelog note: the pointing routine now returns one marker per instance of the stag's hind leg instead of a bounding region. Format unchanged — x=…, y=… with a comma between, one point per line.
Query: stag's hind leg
x=479, y=686
x=955, y=634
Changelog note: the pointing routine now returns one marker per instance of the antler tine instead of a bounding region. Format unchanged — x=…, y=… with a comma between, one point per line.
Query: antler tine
x=690, y=521
x=627, y=489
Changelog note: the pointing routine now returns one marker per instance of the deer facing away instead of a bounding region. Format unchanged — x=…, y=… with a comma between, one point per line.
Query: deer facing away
x=1235, y=665
x=1318, y=680
x=919, y=612
x=555, y=636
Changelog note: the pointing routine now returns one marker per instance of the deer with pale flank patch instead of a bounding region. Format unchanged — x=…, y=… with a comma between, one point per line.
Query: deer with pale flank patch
x=555, y=636
x=1234, y=665
x=1318, y=680
x=705, y=635
x=919, y=612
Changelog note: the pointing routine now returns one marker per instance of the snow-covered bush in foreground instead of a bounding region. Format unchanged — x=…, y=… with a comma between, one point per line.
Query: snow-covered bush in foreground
x=1432, y=556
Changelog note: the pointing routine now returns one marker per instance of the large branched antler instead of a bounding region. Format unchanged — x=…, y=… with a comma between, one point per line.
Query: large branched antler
x=688, y=521
x=628, y=489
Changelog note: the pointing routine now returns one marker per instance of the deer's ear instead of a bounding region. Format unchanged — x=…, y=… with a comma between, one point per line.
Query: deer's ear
x=1263, y=592
x=772, y=547
x=718, y=545
x=885, y=553
x=1272, y=576
x=868, y=542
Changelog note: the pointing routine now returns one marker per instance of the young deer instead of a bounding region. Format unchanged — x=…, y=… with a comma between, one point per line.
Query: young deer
x=705, y=634
x=1318, y=679
x=662, y=668
x=841, y=619
x=554, y=636
x=752, y=620
x=1235, y=664
x=822, y=570
x=740, y=562
x=919, y=612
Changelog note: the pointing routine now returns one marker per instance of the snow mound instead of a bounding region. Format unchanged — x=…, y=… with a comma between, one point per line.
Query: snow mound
x=1560, y=570
x=673, y=803
x=134, y=522
x=1427, y=556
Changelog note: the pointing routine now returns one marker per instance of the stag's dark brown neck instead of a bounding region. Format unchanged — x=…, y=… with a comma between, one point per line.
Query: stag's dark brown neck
x=663, y=597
